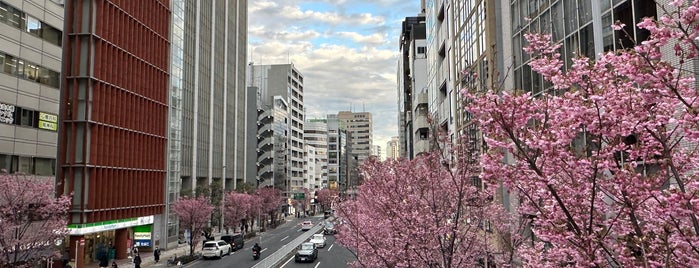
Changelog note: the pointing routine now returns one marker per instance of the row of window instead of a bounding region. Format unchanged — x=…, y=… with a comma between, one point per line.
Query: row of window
x=28, y=165
x=13, y=115
x=16, y=18
x=28, y=70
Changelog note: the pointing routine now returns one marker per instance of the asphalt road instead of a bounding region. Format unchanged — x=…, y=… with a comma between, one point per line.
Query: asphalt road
x=331, y=256
x=270, y=242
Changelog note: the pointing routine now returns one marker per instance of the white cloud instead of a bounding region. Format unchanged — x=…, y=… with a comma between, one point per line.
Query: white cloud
x=348, y=55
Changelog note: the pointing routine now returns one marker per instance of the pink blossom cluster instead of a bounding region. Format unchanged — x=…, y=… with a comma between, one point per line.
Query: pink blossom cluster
x=424, y=212
x=606, y=166
x=194, y=214
x=32, y=219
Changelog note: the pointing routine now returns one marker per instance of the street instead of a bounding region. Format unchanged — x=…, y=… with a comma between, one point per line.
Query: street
x=270, y=242
x=331, y=256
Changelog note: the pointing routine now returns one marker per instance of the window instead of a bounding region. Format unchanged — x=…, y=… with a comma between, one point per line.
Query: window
x=5, y=160
x=51, y=35
x=10, y=65
x=27, y=118
x=33, y=26
x=420, y=50
x=44, y=166
x=15, y=17
x=31, y=71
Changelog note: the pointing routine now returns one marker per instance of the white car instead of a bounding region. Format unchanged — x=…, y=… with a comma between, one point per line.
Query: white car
x=318, y=240
x=306, y=225
x=215, y=249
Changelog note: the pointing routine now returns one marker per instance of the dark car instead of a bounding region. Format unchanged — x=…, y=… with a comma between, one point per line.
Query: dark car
x=307, y=253
x=329, y=229
x=236, y=240
x=327, y=214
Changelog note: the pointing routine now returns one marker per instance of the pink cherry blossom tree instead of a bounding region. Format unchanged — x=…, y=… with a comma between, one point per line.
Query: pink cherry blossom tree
x=326, y=197
x=32, y=219
x=605, y=164
x=428, y=212
x=236, y=208
x=270, y=201
x=194, y=214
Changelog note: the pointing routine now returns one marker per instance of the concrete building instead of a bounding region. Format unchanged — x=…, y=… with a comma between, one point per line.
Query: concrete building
x=114, y=123
x=337, y=151
x=316, y=135
x=414, y=131
x=31, y=34
x=360, y=129
x=211, y=113
x=285, y=81
x=376, y=151
x=393, y=148
x=272, y=141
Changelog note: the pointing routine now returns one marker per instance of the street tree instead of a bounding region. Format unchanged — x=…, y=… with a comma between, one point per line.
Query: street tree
x=236, y=208
x=605, y=162
x=32, y=220
x=326, y=197
x=426, y=212
x=270, y=201
x=194, y=214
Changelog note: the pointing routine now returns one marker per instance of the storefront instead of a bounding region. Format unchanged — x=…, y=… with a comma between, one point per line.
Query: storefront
x=111, y=239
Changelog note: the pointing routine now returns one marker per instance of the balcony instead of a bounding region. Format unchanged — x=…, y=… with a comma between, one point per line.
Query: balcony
x=262, y=170
x=421, y=146
x=264, y=128
x=420, y=121
x=266, y=155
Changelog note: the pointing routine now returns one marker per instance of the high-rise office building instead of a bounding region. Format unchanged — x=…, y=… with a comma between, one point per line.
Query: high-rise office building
x=285, y=81
x=210, y=108
x=272, y=143
x=360, y=127
x=30, y=66
x=414, y=131
x=114, y=123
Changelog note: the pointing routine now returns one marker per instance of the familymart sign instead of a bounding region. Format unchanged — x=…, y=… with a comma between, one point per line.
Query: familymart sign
x=81, y=229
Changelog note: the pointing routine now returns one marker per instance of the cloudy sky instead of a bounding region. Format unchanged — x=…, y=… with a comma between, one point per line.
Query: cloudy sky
x=347, y=51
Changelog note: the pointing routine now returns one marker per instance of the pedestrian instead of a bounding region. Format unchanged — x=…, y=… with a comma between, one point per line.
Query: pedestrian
x=156, y=254
x=104, y=262
x=115, y=265
x=137, y=261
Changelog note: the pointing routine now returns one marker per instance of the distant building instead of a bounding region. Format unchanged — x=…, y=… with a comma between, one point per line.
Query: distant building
x=359, y=126
x=272, y=143
x=316, y=135
x=337, y=151
x=376, y=151
x=393, y=148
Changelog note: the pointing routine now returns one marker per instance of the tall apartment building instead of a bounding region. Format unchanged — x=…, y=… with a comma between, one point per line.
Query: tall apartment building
x=31, y=34
x=316, y=135
x=114, y=123
x=210, y=108
x=285, y=81
x=414, y=131
x=376, y=151
x=337, y=152
x=393, y=148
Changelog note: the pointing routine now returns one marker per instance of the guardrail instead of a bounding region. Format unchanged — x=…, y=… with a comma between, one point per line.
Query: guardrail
x=280, y=255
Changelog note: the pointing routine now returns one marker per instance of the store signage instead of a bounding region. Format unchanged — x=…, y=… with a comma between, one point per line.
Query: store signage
x=141, y=236
x=48, y=121
x=7, y=113
x=142, y=243
x=88, y=228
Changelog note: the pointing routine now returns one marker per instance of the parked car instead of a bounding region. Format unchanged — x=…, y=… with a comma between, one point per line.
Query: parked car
x=306, y=225
x=235, y=240
x=215, y=249
x=318, y=240
x=307, y=252
x=329, y=229
x=327, y=214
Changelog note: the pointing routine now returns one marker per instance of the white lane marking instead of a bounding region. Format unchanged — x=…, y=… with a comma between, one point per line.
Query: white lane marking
x=299, y=230
x=284, y=238
x=331, y=247
x=263, y=250
x=287, y=262
x=317, y=265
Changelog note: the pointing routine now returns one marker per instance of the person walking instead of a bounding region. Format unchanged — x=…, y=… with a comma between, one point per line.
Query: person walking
x=156, y=254
x=137, y=261
x=114, y=264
